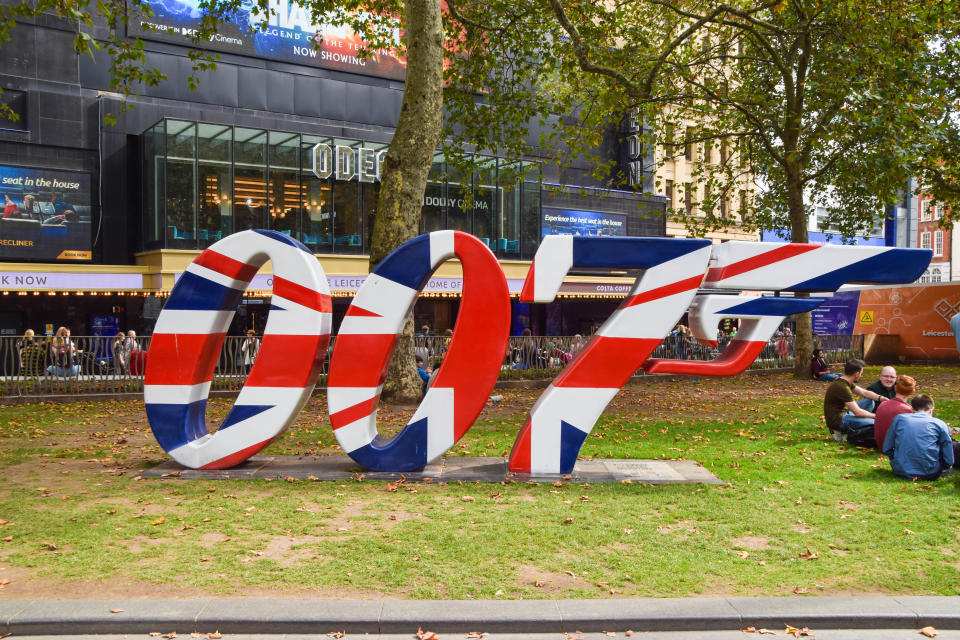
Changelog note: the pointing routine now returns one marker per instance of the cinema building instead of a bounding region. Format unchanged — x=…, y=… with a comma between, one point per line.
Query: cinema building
x=107, y=200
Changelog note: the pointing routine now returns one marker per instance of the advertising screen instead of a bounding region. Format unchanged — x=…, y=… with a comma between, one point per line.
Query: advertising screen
x=288, y=35
x=46, y=214
x=582, y=223
x=837, y=315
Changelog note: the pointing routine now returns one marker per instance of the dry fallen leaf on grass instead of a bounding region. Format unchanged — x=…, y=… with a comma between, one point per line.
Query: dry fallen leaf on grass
x=49, y=545
x=801, y=590
x=159, y=520
x=809, y=554
x=539, y=583
x=930, y=632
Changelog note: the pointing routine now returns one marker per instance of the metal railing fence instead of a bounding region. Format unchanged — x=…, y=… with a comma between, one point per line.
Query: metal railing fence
x=94, y=364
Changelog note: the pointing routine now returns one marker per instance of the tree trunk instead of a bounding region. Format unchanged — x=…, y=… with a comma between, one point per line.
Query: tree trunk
x=406, y=167
x=798, y=233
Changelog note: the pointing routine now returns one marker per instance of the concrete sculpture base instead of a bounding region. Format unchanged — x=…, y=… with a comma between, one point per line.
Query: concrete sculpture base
x=442, y=470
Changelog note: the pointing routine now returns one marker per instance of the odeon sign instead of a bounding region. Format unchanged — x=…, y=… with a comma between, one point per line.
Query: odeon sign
x=192, y=326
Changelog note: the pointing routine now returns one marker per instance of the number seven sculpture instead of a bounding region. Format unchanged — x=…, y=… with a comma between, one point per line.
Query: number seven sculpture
x=192, y=326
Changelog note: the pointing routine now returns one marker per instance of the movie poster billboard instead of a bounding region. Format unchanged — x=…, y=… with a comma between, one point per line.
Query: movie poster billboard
x=837, y=316
x=46, y=215
x=582, y=223
x=288, y=35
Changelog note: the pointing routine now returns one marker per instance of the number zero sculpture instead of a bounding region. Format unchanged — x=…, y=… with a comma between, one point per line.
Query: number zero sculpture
x=673, y=273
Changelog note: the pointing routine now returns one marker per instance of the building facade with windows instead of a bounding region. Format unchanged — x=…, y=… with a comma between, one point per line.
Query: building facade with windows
x=675, y=180
x=930, y=235
x=108, y=199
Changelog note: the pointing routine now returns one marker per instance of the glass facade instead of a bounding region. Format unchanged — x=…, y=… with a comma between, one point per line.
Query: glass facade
x=204, y=181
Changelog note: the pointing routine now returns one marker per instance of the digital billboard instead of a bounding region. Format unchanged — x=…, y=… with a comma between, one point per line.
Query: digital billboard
x=582, y=223
x=287, y=35
x=836, y=316
x=46, y=214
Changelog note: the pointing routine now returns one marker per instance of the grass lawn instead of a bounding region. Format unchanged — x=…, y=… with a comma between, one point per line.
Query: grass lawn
x=800, y=513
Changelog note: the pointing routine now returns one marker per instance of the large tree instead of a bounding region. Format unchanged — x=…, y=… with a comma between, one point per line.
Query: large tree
x=824, y=103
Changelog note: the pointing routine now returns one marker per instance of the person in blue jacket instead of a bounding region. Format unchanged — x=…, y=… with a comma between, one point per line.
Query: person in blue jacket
x=423, y=373
x=919, y=446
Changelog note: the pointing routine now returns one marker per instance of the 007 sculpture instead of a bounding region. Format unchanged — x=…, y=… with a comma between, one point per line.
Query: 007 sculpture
x=192, y=326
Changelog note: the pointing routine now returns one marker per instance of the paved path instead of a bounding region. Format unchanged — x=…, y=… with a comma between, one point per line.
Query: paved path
x=819, y=634
x=447, y=469
x=546, y=619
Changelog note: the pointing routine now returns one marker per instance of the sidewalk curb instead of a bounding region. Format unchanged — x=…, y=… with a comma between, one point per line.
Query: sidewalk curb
x=278, y=616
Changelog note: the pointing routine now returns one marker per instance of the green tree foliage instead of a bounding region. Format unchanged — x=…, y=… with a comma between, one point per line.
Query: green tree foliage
x=824, y=103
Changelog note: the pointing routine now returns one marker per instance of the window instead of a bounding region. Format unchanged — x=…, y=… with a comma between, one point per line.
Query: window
x=214, y=148
x=707, y=200
x=936, y=210
x=925, y=210
x=180, y=196
x=938, y=242
x=744, y=203
x=688, y=189
x=317, y=201
x=723, y=152
x=925, y=240
x=935, y=275
x=668, y=191
x=688, y=144
x=249, y=179
x=723, y=208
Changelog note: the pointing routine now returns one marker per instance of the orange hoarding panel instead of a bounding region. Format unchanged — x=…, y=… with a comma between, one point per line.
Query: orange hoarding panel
x=919, y=315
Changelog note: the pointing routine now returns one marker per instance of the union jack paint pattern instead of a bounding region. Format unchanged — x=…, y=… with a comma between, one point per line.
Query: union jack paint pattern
x=778, y=266
x=368, y=337
x=784, y=267
x=189, y=335
x=565, y=413
x=760, y=318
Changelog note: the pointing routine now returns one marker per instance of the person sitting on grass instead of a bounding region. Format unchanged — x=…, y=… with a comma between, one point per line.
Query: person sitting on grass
x=886, y=412
x=884, y=386
x=844, y=417
x=919, y=445
x=819, y=368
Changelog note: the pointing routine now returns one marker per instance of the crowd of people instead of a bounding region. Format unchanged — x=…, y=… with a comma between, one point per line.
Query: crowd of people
x=888, y=415
x=60, y=357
